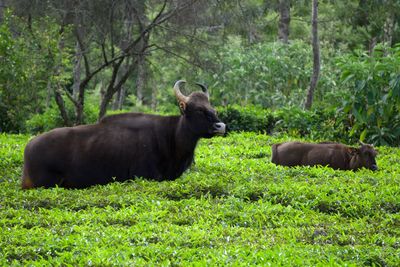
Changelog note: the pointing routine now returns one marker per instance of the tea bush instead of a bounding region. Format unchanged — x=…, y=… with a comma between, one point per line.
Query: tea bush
x=233, y=207
x=321, y=124
x=249, y=118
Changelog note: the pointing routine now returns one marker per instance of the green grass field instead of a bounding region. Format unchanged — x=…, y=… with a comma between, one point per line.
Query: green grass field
x=233, y=207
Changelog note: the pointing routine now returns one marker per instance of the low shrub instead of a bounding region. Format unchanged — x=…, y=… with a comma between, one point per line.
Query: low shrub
x=322, y=124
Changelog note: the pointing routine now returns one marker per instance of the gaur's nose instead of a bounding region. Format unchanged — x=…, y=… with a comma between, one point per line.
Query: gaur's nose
x=219, y=127
x=374, y=167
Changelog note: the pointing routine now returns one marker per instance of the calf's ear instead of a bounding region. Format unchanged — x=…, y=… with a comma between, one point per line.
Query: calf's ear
x=353, y=151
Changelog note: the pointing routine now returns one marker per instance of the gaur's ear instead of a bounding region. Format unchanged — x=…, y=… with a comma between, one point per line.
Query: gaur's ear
x=182, y=106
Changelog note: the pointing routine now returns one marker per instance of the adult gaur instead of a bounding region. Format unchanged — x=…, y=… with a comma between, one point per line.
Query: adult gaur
x=121, y=147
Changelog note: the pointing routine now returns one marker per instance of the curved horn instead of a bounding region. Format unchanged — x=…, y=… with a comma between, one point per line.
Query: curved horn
x=181, y=97
x=204, y=89
x=361, y=142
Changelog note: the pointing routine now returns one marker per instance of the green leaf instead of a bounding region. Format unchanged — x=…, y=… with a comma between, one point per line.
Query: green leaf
x=363, y=135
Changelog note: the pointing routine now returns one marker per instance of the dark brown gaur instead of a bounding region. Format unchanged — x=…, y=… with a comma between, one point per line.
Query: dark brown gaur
x=335, y=155
x=121, y=147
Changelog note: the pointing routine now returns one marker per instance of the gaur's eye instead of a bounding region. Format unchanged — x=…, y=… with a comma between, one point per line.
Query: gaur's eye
x=208, y=115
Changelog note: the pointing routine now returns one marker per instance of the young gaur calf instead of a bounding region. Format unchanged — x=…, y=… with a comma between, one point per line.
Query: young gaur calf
x=335, y=155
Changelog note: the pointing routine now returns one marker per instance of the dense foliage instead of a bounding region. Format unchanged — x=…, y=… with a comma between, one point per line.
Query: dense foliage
x=374, y=101
x=60, y=64
x=233, y=207
x=270, y=75
x=27, y=67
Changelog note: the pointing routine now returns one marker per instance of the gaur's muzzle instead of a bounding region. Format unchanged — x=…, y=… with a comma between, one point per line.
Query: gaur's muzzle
x=219, y=128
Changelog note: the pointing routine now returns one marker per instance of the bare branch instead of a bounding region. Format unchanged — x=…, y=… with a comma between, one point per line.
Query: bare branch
x=159, y=19
x=178, y=56
x=184, y=34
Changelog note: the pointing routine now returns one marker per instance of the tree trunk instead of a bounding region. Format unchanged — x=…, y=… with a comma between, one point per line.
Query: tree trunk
x=141, y=57
x=121, y=98
x=120, y=94
x=77, y=71
x=140, y=79
x=117, y=96
x=388, y=31
x=61, y=106
x=57, y=95
x=154, y=92
x=284, y=21
x=114, y=85
x=316, y=61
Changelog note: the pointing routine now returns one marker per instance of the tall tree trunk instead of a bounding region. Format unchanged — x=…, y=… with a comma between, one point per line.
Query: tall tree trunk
x=119, y=97
x=388, y=30
x=140, y=79
x=57, y=87
x=316, y=56
x=77, y=71
x=61, y=106
x=154, y=92
x=284, y=21
x=141, y=57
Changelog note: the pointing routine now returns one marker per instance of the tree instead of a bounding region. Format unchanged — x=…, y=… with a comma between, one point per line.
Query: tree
x=316, y=56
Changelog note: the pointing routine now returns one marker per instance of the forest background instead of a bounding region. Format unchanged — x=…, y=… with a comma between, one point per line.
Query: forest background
x=65, y=63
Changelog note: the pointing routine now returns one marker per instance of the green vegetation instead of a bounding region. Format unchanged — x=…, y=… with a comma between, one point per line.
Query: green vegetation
x=58, y=70
x=63, y=65
x=233, y=207
x=374, y=104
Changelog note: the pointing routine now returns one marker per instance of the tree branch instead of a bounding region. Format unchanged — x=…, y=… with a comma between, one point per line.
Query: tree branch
x=81, y=47
x=178, y=56
x=103, y=51
x=68, y=94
